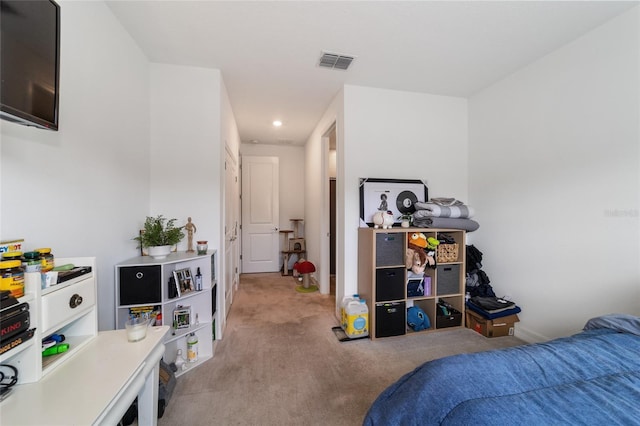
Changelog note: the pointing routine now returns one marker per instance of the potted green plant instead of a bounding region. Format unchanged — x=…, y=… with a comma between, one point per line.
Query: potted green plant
x=159, y=235
x=405, y=220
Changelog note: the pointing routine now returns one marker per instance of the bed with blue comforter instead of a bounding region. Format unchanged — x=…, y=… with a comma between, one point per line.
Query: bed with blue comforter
x=591, y=378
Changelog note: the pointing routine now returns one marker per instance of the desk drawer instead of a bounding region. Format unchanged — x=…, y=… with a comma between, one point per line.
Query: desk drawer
x=57, y=307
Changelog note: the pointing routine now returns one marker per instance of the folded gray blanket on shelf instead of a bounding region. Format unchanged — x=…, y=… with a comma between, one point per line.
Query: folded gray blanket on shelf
x=442, y=201
x=468, y=225
x=435, y=210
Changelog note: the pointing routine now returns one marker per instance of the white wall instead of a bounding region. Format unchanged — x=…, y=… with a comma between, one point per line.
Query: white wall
x=186, y=177
x=292, y=177
x=554, y=177
x=228, y=126
x=191, y=121
x=383, y=134
x=317, y=195
x=82, y=190
x=400, y=135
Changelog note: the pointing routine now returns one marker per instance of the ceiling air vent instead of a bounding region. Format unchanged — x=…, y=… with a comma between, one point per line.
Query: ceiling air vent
x=335, y=61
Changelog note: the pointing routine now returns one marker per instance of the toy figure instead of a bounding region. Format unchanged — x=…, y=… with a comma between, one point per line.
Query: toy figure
x=191, y=229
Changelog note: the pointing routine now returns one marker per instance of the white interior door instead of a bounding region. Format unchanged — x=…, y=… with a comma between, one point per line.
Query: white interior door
x=231, y=231
x=260, y=214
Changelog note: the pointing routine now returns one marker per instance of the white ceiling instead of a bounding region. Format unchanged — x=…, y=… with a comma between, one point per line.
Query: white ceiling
x=268, y=51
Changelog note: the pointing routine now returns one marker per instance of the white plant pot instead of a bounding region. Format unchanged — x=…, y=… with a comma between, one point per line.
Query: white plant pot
x=159, y=252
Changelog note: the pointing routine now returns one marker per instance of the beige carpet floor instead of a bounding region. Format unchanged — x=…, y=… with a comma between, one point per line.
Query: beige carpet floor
x=279, y=363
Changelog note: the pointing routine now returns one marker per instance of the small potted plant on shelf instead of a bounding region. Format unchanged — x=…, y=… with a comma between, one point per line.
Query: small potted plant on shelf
x=159, y=235
x=405, y=220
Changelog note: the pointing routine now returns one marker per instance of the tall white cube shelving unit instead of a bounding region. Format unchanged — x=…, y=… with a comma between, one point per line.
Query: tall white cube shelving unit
x=145, y=282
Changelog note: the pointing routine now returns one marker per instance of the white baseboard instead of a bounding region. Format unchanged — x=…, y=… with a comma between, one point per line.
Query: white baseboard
x=530, y=336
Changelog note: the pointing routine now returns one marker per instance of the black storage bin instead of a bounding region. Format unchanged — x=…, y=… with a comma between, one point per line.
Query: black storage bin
x=390, y=249
x=454, y=319
x=391, y=319
x=140, y=284
x=390, y=284
x=448, y=279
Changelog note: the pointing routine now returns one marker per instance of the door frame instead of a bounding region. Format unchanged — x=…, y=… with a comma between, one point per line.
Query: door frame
x=276, y=206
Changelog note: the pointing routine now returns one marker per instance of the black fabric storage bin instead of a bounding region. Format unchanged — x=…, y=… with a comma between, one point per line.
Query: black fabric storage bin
x=448, y=279
x=391, y=319
x=454, y=319
x=140, y=284
x=390, y=284
x=390, y=249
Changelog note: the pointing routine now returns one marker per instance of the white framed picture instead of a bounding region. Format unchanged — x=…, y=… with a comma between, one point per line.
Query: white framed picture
x=184, y=280
x=395, y=196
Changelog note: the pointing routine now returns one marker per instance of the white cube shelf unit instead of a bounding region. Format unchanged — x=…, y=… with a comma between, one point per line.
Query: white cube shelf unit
x=144, y=282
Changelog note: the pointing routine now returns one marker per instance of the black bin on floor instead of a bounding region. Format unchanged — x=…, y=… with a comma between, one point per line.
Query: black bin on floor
x=391, y=319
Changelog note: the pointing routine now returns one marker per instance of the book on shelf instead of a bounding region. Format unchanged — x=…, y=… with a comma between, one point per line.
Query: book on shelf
x=144, y=312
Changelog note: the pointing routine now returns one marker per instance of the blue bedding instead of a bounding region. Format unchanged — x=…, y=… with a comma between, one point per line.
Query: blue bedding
x=590, y=378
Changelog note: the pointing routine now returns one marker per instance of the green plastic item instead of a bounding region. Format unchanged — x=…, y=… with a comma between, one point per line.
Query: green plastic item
x=67, y=267
x=57, y=349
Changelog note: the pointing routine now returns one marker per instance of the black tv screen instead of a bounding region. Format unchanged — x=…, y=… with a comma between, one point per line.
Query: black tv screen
x=30, y=62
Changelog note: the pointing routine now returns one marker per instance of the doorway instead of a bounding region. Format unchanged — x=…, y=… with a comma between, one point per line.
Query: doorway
x=260, y=214
x=330, y=137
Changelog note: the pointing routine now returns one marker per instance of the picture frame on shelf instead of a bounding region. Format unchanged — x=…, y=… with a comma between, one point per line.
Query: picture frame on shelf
x=184, y=280
x=182, y=317
x=395, y=196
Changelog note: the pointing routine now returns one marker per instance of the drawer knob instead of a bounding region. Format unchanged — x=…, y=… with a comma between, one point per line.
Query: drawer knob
x=75, y=301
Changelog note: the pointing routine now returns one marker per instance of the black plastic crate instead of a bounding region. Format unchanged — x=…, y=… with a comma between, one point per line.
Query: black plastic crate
x=453, y=317
x=391, y=319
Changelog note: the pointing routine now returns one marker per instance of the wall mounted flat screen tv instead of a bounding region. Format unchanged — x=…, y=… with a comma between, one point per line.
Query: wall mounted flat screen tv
x=30, y=62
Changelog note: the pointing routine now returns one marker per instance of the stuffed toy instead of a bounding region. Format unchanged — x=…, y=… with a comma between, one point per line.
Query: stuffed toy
x=382, y=220
x=414, y=261
x=418, y=242
x=432, y=243
x=417, y=319
x=415, y=247
x=418, y=239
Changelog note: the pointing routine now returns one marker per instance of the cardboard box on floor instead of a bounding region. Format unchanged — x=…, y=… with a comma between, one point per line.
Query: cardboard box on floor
x=497, y=327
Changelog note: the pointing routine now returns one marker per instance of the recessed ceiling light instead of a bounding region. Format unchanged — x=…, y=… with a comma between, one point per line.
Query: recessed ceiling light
x=277, y=123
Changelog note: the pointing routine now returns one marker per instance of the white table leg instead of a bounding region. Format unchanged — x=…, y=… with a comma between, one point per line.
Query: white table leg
x=148, y=396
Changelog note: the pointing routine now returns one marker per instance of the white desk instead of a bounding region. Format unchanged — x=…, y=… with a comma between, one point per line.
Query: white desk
x=95, y=386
